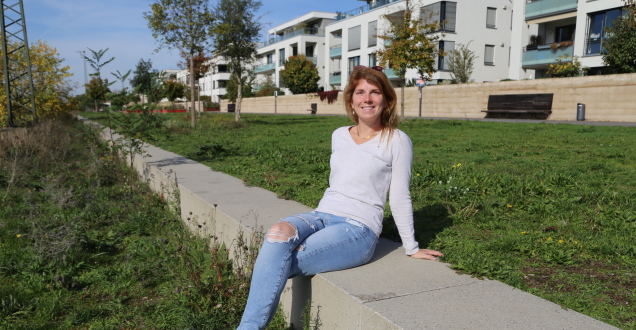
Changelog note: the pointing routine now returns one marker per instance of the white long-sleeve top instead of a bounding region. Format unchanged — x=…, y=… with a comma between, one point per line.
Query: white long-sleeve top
x=362, y=174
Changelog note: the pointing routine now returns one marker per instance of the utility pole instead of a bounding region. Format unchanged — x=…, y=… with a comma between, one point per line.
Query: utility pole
x=83, y=53
x=18, y=79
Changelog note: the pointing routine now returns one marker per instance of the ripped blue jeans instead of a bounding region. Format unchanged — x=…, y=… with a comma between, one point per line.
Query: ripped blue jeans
x=323, y=243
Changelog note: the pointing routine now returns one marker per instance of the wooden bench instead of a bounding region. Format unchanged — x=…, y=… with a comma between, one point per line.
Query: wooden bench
x=535, y=106
x=314, y=108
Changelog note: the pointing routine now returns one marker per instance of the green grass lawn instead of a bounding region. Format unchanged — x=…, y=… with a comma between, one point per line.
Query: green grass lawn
x=543, y=207
x=83, y=248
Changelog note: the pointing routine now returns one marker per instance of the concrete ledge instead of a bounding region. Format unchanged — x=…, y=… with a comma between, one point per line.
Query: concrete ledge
x=392, y=291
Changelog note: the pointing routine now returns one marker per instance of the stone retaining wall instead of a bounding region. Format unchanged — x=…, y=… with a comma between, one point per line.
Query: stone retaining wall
x=607, y=98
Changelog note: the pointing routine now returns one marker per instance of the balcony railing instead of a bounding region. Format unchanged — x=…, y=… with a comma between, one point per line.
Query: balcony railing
x=335, y=51
x=264, y=68
x=390, y=74
x=335, y=80
x=363, y=9
x=544, y=55
x=304, y=31
x=313, y=59
x=540, y=8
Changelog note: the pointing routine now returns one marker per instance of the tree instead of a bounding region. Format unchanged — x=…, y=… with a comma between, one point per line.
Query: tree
x=142, y=76
x=246, y=85
x=300, y=75
x=96, y=90
x=461, y=61
x=173, y=90
x=620, y=47
x=121, y=77
x=235, y=33
x=181, y=24
x=566, y=66
x=411, y=44
x=267, y=88
x=52, y=87
x=96, y=61
x=202, y=64
x=157, y=86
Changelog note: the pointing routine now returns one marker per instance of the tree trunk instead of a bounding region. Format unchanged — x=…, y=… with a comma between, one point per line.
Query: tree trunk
x=403, y=99
x=193, y=115
x=239, y=94
x=96, y=106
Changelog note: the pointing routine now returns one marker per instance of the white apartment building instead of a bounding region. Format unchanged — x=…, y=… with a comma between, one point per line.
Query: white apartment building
x=302, y=35
x=486, y=24
x=213, y=82
x=563, y=27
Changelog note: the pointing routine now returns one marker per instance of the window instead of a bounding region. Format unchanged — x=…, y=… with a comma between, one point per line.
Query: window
x=281, y=57
x=222, y=68
x=491, y=18
x=372, y=60
x=270, y=58
x=222, y=83
x=489, y=55
x=442, y=61
x=354, y=38
x=597, y=23
x=564, y=33
x=440, y=12
x=373, y=31
x=353, y=62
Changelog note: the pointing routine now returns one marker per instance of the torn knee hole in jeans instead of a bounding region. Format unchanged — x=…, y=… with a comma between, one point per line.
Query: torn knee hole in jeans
x=275, y=235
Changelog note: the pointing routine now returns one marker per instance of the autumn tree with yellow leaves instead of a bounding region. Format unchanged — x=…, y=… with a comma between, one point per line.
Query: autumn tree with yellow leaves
x=50, y=80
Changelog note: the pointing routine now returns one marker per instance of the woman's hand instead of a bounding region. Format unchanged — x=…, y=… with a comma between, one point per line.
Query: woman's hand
x=427, y=254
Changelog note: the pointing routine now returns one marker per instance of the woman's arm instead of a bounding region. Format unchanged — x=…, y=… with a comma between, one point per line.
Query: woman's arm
x=400, y=197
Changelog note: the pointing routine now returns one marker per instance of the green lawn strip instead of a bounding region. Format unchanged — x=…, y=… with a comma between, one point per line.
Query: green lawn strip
x=499, y=199
x=80, y=251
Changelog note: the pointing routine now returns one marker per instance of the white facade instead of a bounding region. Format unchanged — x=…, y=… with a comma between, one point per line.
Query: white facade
x=302, y=35
x=213, y=82
x=486, y=24
x=565, y=27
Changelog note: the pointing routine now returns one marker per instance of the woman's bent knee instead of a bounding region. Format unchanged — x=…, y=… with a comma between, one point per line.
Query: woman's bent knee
x=281, y=232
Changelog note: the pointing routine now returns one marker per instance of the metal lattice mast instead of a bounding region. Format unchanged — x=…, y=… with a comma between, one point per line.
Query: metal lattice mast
x=17, y=76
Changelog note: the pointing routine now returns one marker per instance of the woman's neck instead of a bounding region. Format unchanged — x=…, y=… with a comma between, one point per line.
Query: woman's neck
x=366, y=129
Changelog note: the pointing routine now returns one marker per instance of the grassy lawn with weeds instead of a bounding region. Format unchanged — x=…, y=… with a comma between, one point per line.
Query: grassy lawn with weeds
x=546, y=208
x=80, y=248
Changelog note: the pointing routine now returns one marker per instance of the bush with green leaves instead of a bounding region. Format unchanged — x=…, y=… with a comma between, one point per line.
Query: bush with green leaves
x=300, y=75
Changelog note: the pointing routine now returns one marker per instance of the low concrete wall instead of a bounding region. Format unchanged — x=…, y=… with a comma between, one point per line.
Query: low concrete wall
x=607, y=98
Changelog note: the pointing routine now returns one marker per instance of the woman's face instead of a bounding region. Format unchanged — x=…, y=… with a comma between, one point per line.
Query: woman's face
x=368, y=102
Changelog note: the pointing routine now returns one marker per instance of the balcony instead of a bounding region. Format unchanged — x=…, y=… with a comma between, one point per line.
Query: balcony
x=265, y=68
x=363, y=9
x=335, y=79
x=390, y=74
x=542, y=8
x=299, y=32
x=313, y=59
x=544, y=55
x=335, y=51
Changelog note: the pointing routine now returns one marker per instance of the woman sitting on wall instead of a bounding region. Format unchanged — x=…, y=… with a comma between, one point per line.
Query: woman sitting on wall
x=368, y=161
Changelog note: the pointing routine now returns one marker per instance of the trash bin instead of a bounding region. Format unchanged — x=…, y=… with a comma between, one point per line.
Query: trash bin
x=580, y=112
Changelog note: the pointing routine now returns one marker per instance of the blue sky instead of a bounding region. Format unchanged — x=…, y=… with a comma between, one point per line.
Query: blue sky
x=74, y=25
